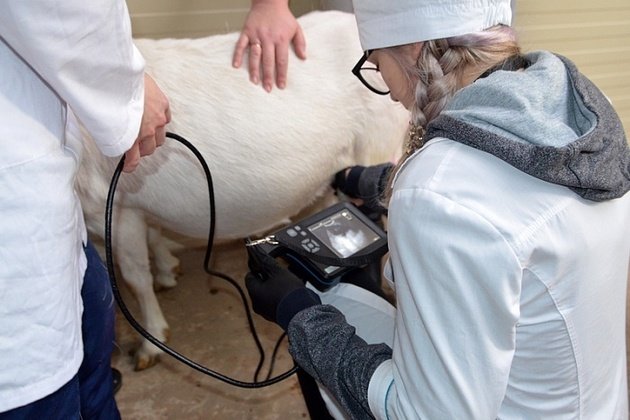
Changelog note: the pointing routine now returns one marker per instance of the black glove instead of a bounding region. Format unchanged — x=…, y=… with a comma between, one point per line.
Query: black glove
x=365, y=183
x=276, y=293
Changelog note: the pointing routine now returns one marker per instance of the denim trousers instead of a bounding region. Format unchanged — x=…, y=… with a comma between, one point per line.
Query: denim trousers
x=89, y=394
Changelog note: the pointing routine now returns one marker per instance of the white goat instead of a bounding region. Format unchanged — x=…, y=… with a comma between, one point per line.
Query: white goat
x=271, y=154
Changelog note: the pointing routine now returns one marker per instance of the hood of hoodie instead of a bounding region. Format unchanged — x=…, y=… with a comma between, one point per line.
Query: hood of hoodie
x=547, y=120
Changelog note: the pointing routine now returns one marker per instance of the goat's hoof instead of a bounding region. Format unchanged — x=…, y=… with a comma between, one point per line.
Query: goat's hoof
x=145, y=361
x=164, y=281
x=148, y=355
x=178, y=270
x=167, y=279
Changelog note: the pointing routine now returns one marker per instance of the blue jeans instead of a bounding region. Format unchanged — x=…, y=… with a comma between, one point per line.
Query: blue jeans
x=90, y=394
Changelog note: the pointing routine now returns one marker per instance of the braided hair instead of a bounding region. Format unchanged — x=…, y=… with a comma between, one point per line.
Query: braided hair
x=443, y=67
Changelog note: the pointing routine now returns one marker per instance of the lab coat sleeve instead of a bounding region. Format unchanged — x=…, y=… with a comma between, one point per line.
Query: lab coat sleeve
x=84, y=52
x=458, y=290
x=328, y=349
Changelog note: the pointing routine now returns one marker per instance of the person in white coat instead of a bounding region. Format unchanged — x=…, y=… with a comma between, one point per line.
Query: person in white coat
x=63, y=63
x=508, y=232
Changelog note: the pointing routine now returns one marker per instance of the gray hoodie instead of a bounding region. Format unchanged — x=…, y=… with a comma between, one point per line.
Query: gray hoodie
x=548, y=121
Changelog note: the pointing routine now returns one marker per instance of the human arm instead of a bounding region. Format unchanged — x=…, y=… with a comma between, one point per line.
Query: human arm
x=87, y=57
x=458, y=288
x=269, y=28
x=458, y=285
x=279, y=296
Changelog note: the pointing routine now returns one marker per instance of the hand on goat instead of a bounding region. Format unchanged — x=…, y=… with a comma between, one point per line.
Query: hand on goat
x=267, y=31
x=276, y=293
x=152, y=132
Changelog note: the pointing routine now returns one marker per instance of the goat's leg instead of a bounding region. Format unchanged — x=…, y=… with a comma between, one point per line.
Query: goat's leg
x=166, y=264
x=132, y=255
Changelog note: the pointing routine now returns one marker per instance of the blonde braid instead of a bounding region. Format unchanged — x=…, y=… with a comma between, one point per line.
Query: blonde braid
x=438, y=81
x=443, y=67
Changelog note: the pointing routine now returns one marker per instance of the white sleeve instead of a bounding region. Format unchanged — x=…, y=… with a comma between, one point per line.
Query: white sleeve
x=458, y=289
x=84, y=52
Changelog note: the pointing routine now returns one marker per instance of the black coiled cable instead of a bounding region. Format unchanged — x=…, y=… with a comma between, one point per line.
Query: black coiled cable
x=146, y=334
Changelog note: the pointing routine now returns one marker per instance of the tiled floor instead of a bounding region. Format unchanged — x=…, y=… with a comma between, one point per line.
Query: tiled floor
x=208, y=325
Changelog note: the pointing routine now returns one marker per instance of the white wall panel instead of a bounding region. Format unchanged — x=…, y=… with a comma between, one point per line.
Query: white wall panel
x=194, y=18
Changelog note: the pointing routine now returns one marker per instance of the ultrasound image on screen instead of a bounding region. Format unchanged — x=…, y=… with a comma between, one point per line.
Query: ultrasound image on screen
x=343, y=233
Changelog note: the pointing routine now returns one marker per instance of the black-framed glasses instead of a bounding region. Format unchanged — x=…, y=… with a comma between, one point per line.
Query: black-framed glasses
x=370, y=76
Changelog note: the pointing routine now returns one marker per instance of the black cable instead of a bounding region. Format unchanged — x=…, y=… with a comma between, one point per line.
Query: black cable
x=112, y=276
x=273, y=355
x=206, y=261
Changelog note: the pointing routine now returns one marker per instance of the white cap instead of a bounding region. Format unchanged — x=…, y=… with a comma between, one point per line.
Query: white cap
x=387, y=23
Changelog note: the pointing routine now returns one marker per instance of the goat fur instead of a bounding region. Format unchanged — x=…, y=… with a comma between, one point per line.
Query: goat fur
x=271, y=154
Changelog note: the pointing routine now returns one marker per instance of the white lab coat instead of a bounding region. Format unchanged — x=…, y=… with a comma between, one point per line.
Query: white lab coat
x=54, y=57
x=474, y=335
x=489, y=320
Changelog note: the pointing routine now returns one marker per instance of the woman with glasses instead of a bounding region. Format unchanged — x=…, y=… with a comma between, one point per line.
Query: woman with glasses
x=508, y=233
